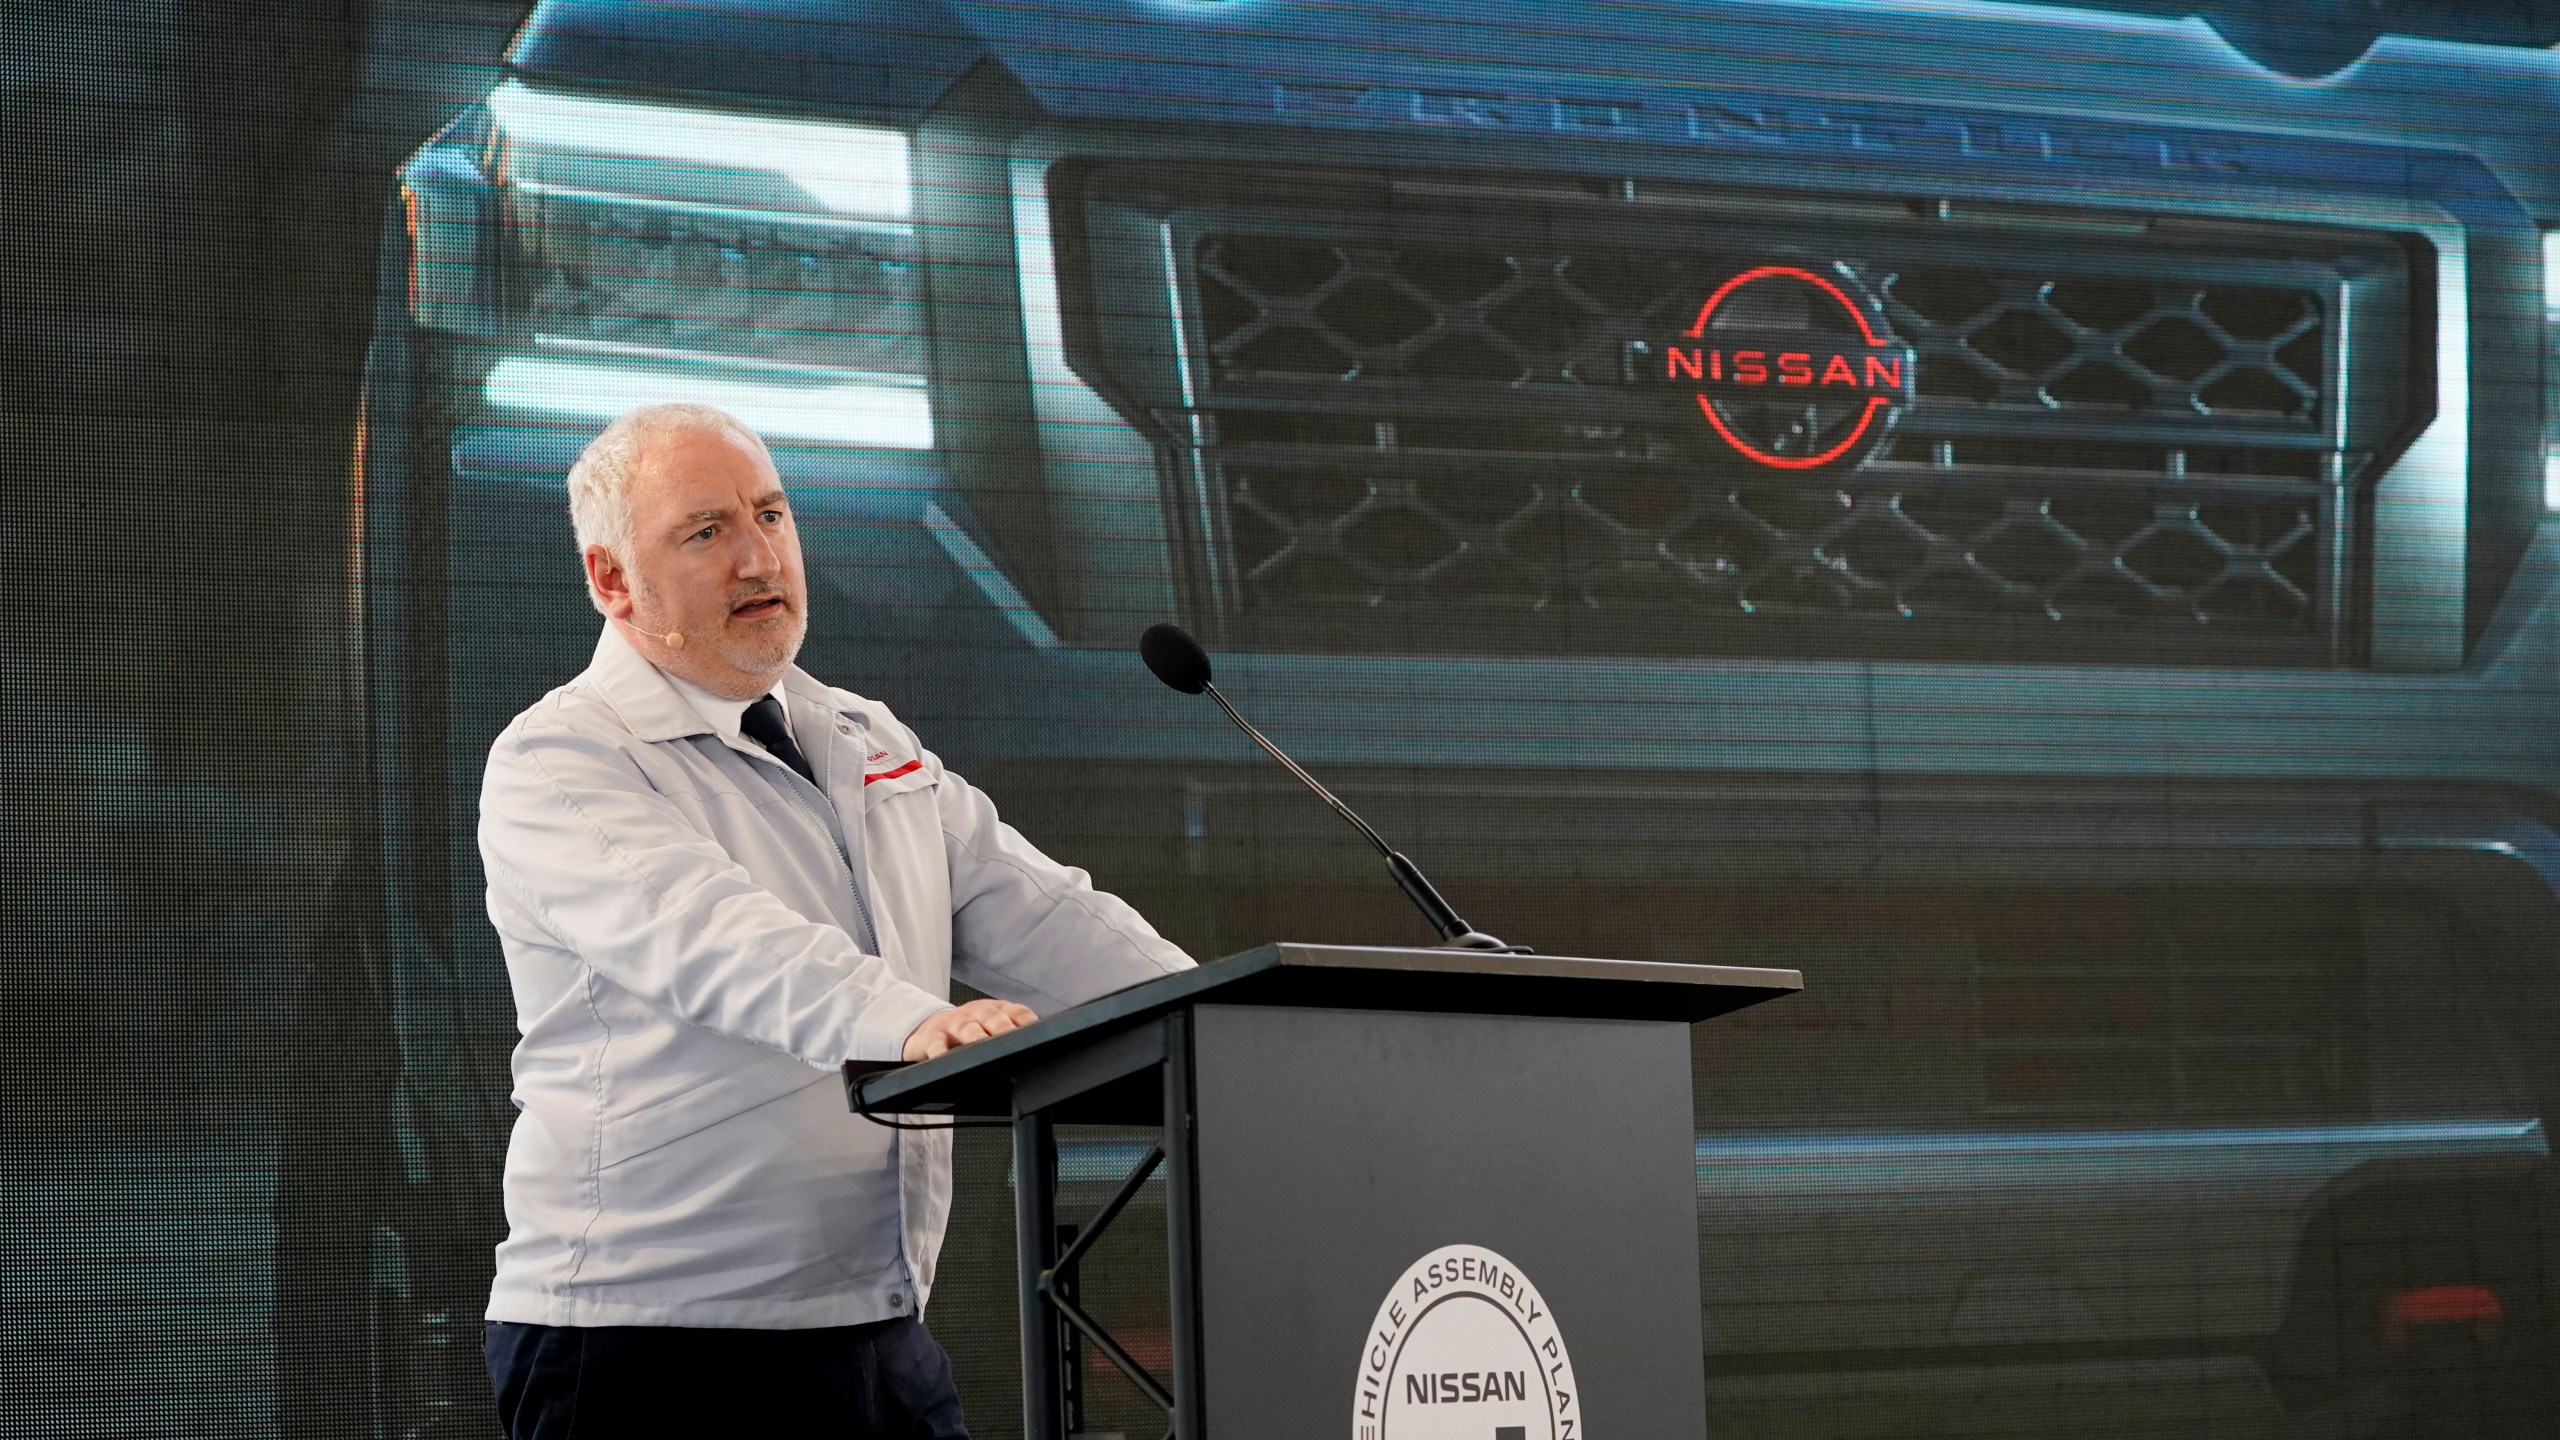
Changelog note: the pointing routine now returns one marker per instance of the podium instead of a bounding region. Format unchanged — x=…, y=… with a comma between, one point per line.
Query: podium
x=1409, y=1194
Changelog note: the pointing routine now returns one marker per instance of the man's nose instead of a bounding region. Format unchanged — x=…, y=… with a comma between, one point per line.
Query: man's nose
x=757, y=552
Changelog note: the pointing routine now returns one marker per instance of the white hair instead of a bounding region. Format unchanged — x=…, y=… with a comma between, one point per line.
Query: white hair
x=600, y=483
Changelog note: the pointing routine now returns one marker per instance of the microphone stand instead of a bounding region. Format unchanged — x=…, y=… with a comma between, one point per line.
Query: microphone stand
x=1455, y=933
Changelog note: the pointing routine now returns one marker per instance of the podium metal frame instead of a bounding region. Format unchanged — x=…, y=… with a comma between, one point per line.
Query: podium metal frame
x=1047, y=1267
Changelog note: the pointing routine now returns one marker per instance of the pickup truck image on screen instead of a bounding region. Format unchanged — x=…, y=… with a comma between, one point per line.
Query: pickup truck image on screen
x=2033, y=516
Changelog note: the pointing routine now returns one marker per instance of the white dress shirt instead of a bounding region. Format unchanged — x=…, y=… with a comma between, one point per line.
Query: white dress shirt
x=726, y=717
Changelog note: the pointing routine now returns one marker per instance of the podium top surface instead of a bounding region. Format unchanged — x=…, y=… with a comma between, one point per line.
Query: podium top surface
x=977, y=1079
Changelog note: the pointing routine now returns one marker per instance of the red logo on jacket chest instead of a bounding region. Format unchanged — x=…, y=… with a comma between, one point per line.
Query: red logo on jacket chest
x=904, y=767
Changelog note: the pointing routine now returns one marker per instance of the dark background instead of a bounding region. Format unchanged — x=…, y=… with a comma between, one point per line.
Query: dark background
x=194, y=194
x=187, y=255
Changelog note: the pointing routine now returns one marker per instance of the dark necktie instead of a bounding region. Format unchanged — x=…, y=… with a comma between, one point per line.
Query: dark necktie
x=763, y=724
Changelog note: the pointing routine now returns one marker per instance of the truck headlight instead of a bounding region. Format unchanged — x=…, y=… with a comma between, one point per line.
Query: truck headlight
x=2551, y=370
x=641, y=252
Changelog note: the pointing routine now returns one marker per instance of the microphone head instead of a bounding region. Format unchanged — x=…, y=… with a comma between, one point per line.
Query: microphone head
x=1175, y=658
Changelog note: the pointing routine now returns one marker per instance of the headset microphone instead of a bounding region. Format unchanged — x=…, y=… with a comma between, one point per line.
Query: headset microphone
x=674, y=638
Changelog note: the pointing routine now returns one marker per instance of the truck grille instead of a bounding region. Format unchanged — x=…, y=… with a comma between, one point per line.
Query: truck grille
x=1408, y=415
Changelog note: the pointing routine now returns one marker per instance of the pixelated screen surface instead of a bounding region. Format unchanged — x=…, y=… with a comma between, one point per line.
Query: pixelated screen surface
x=2029, y=515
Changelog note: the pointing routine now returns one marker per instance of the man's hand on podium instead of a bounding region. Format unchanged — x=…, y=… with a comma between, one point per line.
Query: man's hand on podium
x=964, y=1025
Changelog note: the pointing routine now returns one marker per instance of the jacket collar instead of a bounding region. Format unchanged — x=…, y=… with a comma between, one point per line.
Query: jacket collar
x=655, y=710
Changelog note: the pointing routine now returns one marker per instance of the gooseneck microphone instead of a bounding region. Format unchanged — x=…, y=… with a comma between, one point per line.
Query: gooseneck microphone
x=1177, y=660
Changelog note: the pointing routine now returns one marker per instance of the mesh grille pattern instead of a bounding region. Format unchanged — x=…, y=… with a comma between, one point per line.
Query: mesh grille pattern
x=1890, y=542
x=2167, y=349
x=1283, y=307
x=1291, y=308
x=1424, y=414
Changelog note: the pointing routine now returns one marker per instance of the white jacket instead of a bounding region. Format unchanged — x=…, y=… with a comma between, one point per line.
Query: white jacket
x=697, y=938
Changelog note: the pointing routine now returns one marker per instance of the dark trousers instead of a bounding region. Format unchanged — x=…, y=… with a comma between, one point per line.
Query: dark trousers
x=887, y=1380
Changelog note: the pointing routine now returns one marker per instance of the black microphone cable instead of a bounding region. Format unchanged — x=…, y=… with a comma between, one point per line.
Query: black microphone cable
x=862, y=1106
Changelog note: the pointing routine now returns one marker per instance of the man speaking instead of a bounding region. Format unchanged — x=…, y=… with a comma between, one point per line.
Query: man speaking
x=716, y=879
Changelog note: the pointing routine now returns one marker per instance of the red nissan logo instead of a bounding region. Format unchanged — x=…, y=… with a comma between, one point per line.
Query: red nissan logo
x=1795, y=393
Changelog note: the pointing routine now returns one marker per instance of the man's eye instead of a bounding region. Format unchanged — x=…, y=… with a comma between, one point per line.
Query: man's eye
x=702, y=534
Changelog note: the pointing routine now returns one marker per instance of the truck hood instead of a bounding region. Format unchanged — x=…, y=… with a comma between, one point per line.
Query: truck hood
x=1583, y=76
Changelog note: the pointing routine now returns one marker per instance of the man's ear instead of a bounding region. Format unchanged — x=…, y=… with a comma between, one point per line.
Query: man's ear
x=609, y=584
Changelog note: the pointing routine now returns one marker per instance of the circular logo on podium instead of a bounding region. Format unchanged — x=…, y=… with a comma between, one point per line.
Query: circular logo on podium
x=1464, y=1348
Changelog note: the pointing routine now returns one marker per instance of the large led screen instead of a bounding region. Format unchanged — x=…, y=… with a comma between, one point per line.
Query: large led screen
x=2033, y=516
